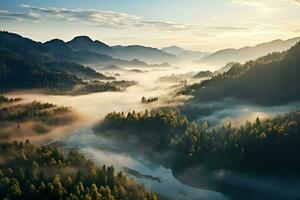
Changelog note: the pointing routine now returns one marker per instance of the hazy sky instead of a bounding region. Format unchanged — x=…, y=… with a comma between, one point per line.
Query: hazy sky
x=194, y=24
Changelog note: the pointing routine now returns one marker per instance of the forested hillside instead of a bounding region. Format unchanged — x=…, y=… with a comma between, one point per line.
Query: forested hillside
x=31, y=172
x=49, y=56
x=271, y=79
x=19, y=118
x=269, y=146
x=83, y=50
x=78, y=70
x=17, y=73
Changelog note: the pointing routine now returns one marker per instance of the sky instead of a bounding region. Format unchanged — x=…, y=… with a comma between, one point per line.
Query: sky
x=201, y=25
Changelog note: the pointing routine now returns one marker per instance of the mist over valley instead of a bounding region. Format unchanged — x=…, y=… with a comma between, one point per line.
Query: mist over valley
x=103, y=101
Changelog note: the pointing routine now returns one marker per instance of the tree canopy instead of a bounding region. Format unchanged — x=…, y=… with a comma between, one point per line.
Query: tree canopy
x=31, y=172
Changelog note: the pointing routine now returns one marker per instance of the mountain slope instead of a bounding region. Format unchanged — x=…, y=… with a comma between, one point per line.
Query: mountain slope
x=147, y=54
x=84, y=43
x=59, y=55
x=78, y=70
x=17, y=73
x=247, y=53
x=272, y=79
x=185, y=55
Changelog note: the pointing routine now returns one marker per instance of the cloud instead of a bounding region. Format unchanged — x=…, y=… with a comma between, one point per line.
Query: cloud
x=7, y=15
x=105, y=19
x=226, y=28
x=265, y=5
x=97, y=18
x=167, y=25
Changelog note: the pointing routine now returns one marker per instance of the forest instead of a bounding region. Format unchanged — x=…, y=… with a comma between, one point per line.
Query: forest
x=148, y=100
x=31, y=172
x=264, y=146
x=17, y=73
x=18, y=117
x=55, y=77
x=269, y=80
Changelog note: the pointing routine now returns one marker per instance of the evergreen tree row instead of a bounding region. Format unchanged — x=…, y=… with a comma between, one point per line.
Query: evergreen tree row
x=268, y=146
x=30, y=172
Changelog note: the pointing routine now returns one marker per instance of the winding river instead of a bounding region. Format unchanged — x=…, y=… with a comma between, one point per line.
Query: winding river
x=155, y=177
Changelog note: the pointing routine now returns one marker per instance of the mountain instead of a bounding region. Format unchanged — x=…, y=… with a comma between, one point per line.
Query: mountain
x=272, y=79
x=59, y=51
x=185, y=55
x=83, y=50
x=112, y=68
x=133, y=52
x=147, y=54
x=220, y=58
x=86, y=50
x=203, y=74
x=84, y=43
x=18, y=73
x=225, y=68
x=78, y=70
x=23, y=46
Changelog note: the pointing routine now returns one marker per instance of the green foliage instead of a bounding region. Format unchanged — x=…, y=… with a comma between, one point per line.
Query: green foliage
x=30, y=172
x=25, y=64
x=17, y=73
x=263, y=146
x=152, y=128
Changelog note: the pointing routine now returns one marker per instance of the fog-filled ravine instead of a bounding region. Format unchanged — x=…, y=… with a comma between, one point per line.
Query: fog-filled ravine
x=153, y=176
x=155, y=82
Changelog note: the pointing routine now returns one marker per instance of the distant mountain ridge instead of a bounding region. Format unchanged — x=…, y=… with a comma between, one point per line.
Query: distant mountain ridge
x=54, y=55
x=84, y=43
x=185, y=55
x=81, y=50
x=270, y=80
x=148, y=54
x=132, y=52
x=222, y=57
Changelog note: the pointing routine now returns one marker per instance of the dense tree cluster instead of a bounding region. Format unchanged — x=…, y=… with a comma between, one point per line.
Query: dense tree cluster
x=203, y=74
x=25, y=64
x=17, y=73
x=265, y=146
x=18, y=117
x=78, y=70
x=271, y=79
x=148, y=100
x=4, y=99
x=32, y=110
x=30, y=172
x=152, y=128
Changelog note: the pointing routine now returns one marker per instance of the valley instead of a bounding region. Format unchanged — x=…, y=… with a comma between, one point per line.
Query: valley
x=87, y=120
